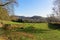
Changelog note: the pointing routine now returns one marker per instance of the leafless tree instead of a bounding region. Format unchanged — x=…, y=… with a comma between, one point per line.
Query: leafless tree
x=56, y=8
x=9, y=5
x=7, y=2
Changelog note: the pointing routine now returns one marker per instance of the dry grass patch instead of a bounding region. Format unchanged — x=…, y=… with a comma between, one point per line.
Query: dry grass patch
x=3, y=37
x=19, y=34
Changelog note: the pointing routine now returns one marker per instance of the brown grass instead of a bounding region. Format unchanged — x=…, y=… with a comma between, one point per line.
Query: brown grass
x=24, y=34
x=3, y=37
x=17, y=35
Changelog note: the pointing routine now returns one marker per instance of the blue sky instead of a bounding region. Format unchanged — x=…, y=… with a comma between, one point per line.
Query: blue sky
x=34, y=7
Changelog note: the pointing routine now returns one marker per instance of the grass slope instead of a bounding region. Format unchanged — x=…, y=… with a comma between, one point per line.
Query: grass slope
x=32, y=31
x=43, y=32
x=8, y=22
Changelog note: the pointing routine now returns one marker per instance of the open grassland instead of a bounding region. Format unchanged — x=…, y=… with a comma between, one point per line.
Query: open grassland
x=30, y=31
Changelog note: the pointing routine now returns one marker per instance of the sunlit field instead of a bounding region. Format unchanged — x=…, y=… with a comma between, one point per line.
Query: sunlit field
x=30, y=31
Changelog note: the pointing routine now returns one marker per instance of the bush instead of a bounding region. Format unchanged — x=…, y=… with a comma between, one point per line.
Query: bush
x=4, y=14
x=54, y=26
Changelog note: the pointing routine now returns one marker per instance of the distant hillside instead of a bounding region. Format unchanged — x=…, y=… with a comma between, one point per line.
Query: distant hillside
x=31, y=19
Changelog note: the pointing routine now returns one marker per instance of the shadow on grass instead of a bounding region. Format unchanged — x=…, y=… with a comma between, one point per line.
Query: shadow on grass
x=31, y=29
x=53, y=26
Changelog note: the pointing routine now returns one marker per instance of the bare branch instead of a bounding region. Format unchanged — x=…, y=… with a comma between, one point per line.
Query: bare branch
x=13, y=1
x=5, y=4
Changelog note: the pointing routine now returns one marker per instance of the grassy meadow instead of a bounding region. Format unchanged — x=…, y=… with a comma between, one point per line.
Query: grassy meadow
x=29, y=31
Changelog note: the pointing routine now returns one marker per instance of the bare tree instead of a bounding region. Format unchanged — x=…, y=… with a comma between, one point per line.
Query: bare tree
x=7, y=2
x=9, y=5
x=57, y=7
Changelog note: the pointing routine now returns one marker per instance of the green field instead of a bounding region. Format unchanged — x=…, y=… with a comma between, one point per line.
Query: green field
x=31, y=31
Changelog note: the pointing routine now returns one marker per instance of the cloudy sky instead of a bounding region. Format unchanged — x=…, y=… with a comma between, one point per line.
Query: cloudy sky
x=34, y=7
